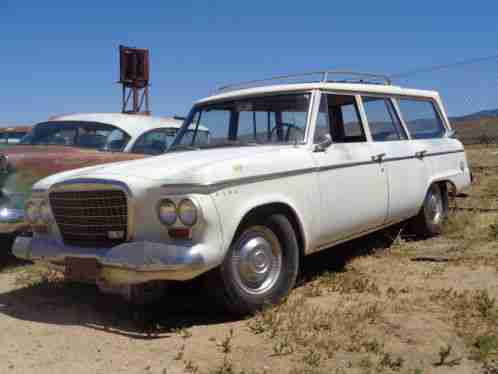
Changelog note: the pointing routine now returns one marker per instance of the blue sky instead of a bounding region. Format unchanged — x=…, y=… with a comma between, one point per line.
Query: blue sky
x=61, y=56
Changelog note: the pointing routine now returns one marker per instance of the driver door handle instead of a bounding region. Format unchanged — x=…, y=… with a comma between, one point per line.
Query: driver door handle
x=379, y=157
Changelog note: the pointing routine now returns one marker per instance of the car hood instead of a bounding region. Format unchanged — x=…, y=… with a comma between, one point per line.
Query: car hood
x=190, y=167
x=24, y=165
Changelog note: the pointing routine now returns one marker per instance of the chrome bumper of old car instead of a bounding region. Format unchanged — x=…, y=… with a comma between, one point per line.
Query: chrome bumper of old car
x=11, y=220
x=125, y=264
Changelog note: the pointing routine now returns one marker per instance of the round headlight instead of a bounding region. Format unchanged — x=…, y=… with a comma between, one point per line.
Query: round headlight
x=187, y=211
x=45, y=214
x=32, y=212
x=167, y=212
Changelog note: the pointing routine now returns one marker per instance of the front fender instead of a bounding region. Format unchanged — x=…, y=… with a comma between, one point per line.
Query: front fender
x=234, y=205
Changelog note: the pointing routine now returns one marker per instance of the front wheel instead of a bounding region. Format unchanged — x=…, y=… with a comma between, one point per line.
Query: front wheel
x=260, y=267
x=430, y=219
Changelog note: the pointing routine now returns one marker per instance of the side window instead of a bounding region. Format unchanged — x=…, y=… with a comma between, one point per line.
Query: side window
x=345, y=123
x=382, y=119
x=153, y=142
x=421, y=118
x=339, y=117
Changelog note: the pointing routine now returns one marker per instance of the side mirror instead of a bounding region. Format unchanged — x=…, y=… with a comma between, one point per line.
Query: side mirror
x=451, y=133
x=324, y=143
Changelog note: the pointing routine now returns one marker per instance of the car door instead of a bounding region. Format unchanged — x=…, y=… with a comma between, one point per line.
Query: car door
x=352, y=181
x=406, y=169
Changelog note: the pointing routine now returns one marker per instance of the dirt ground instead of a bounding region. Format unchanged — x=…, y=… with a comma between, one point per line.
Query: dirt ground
x=387, y=303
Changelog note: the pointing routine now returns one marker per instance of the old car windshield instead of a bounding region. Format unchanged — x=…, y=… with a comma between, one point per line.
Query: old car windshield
x=82, y=134
x=279, y=119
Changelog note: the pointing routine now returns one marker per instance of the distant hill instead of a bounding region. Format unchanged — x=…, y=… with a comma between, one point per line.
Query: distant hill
x=492, y=113
x=477, y=127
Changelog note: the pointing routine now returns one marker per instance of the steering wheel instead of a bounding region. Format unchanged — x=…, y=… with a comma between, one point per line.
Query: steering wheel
x=287, y=132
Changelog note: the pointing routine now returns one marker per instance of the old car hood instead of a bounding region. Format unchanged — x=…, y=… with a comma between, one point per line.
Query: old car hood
x=27, y=164
x=202, y=166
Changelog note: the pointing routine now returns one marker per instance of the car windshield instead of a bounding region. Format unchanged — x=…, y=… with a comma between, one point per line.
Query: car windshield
x=93, y=135
x=279, y=119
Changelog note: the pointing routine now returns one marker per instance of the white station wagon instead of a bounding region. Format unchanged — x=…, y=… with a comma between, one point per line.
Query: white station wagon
x=287, y=170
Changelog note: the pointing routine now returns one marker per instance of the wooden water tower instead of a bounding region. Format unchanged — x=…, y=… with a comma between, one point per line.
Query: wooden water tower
x=134, y=78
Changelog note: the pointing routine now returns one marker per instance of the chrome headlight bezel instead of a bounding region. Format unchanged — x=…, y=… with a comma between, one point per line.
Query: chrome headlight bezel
x=167, y=212
x=188, y=212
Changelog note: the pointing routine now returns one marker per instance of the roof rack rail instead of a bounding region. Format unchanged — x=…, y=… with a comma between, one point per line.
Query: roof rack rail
x=325, y=76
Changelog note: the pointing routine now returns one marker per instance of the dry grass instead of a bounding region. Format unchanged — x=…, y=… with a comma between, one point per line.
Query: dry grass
x=38, y=275
x=417, y=306
x=318, y=335
x=475, y=319
x=471, y=227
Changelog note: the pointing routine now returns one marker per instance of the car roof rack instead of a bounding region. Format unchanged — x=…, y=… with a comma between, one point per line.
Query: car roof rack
x=322, y=77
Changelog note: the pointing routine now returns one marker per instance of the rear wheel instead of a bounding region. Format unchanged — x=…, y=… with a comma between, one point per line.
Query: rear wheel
x=430, y=219
x=260, y=267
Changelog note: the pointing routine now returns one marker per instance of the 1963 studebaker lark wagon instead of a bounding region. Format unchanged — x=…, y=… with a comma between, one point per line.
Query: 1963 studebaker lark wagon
x=288, y=170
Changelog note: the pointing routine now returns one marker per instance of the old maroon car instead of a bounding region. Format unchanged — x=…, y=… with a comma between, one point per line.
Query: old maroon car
x=70, y=142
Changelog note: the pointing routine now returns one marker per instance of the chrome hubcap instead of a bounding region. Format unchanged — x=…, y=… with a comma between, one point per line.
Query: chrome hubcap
x=257, y=263
x=435, y=209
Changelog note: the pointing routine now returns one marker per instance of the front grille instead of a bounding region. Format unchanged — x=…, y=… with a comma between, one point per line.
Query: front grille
x=90, y=218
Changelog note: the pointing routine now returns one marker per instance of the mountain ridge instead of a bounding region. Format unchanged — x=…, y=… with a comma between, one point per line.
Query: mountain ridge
x=488, y=113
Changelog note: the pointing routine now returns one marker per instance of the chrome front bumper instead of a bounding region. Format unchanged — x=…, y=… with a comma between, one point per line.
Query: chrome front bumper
x=11, y=220
x=125, y=264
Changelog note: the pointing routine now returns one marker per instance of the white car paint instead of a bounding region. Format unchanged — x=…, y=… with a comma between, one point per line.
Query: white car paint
x=335, y=194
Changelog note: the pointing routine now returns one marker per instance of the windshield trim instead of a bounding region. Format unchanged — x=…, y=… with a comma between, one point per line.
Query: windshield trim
x=64, y=122
x=203, y=104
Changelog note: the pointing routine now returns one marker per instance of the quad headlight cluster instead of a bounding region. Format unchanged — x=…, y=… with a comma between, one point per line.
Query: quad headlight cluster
x=38, y=212
x=186, y=211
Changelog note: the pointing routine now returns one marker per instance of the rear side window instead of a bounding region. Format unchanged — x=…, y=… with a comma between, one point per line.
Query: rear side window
x=421, y=118
x=382, y=119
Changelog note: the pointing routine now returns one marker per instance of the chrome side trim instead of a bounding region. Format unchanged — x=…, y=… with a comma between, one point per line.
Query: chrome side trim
x=444, y=153
x=174, y=189
x=217, y=186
